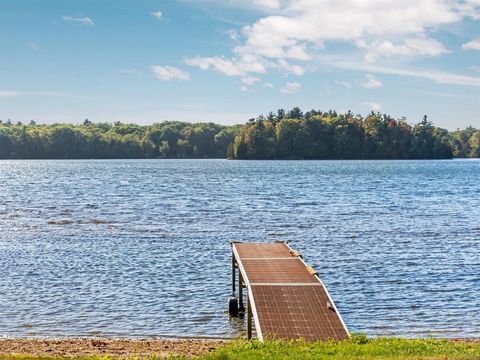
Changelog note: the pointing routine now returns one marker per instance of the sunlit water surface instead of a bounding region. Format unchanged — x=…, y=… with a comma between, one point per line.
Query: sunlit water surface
x=141, y=248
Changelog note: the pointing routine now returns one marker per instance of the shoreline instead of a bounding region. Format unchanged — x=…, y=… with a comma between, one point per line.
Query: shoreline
x=124, y=347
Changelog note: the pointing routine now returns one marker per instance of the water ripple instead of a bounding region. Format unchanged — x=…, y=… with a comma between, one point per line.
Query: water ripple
x=140, y=248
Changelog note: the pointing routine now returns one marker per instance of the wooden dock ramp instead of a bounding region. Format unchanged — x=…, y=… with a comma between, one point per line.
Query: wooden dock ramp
x=285, y=296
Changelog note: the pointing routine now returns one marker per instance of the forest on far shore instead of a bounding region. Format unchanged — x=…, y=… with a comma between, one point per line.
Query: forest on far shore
x=281, y=135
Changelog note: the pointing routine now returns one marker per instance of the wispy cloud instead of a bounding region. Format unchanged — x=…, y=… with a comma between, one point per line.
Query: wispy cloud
x=290, y=68
x=58, y=94
x=442, y=94
x=218, y=63
x=373, y=105
x=269, y=4
x=9, y=93
x=250, y=80
x=82, y=20
x=291, y=87
x=293, y=32
x=233, y=34
x=372, y=82
x=347, y=84
x=243, y=65
x=411, y=47
x=288, y=35
x=166, y=73
x=472, y=45
x=157, y=14
x=440, y=77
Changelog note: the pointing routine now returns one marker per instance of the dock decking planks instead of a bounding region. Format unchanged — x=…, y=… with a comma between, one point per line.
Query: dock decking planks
x=285, y=299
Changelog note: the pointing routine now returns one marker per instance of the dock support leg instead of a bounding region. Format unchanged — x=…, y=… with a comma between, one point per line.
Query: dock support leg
x=241, y=307
x=233, y=274
x=249, y=319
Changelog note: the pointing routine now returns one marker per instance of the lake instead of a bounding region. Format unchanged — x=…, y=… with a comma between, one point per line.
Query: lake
x=141, y=247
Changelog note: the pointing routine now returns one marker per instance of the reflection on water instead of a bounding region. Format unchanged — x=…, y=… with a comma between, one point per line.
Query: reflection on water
x=140, y=248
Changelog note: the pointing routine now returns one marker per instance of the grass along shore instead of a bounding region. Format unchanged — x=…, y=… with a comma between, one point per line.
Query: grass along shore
x=359, y=347
x=380, y=348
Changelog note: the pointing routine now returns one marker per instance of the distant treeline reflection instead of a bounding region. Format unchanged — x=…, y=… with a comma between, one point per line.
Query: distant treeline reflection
x=281, y=135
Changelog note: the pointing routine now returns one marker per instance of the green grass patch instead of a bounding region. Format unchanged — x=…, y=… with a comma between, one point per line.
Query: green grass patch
x=358, y=347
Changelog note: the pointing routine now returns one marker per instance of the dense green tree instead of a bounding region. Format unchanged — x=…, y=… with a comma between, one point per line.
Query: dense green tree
x=225, y=139
x=259, y=140
x=279, y=135
x=328, y=135
x=474, y=143
x=460, y=141
x=295, y=113
x=290, y=134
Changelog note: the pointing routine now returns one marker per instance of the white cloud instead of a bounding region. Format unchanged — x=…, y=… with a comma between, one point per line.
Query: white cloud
x=250, y=80
x=271, y=4
x=57, y=94
x=243, y=65
x=230, y=67
x=441, y=94
x=157, y=14
x=470, y=8
x=439, y=77
x=289, y=33
x=291, y=87
x=269, y=85
x=475, y=68
x=252, y=63
x=169, y=73
x=411, y=47
x=233, y=34
x=217, y=63
x=472, y=45
x=372, y=82
x=295, y=32
x=83, y=20
x=50, y=93
x=291, y=68
x=347, y=84
x=244, y=88
x=373, y=105
x=9, y=93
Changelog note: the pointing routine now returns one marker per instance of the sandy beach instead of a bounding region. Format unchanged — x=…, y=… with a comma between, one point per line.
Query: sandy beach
x=75, y=347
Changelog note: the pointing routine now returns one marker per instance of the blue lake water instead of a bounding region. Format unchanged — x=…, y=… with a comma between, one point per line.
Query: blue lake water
x=141, y=247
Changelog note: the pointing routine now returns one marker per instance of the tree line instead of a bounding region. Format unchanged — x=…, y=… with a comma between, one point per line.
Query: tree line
x=281, y=135
x=114, y=141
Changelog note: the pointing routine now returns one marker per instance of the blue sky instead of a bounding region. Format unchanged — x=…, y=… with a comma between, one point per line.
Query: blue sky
x=225, y=61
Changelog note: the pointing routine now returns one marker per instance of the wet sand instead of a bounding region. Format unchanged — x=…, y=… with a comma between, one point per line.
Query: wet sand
x=75, y=347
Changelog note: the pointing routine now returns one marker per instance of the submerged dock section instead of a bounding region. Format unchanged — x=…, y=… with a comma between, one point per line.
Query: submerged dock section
x=285, y=297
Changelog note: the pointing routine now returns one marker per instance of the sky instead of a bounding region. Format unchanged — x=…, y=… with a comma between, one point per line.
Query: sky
x=226, y=61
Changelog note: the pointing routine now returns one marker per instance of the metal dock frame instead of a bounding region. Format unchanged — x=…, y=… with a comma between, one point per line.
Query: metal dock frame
x=275, y=274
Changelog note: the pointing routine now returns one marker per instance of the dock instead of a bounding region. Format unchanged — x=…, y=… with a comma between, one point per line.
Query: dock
x=285, y=297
